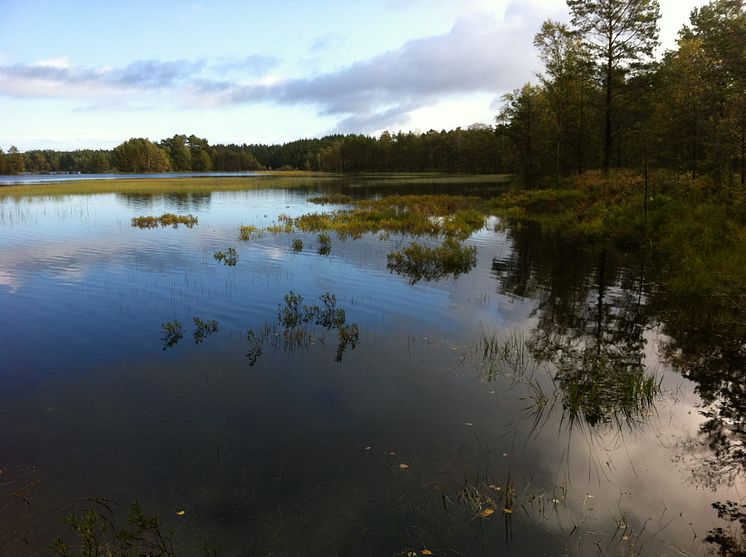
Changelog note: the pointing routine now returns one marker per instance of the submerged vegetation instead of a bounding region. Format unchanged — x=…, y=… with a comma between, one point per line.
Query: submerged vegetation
x=173, y=332
x=325, y=243
x=228, y=257
x=248, y=232
x=295, y=327
x=203, y=329
x=99, y=534
x=166, y=219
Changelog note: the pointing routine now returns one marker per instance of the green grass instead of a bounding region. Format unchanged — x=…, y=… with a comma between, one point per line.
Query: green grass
x=295, y=179
x=166, y=219
x=161, y=186
x=452, y=216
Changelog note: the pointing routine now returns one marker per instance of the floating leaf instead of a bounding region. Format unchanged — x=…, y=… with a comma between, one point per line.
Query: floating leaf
x=468, y=423
x=506, y=510
x=487, y=512
x=403, y=466
x=180, y=513
x=426, y=552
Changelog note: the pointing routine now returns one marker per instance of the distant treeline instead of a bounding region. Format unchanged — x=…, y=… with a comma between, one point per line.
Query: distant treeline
x=473, y=150
x=604, y=101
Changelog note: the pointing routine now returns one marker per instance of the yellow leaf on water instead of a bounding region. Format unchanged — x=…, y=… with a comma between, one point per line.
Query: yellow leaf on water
x=181, y=513
x=487, y=512
x=404, y=466
x=506, y=510
x=426, y=552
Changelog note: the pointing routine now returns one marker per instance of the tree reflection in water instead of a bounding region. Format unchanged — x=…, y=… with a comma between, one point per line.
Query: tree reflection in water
x=592, y=317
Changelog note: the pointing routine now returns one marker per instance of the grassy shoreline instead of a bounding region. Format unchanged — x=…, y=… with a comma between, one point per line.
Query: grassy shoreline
x=265, y=180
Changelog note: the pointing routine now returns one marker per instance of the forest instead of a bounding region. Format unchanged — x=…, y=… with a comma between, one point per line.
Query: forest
x=605, y=100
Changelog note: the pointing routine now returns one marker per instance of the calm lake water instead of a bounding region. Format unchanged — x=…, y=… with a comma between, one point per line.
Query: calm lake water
x=422, y=436
x=6, y=180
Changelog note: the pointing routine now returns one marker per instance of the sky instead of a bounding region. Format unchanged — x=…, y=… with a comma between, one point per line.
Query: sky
x=92, y=73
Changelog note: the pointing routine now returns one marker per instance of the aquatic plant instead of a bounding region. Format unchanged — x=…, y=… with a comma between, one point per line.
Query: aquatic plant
x=504, y=355
x=330, y=199
x=99, y=535
x=294, y=313
x=203, y=329
x=297, y=245
x=325, y=244
x=295, y=327
x=228, y=257
x=247, y=232
x=419, y=262
x=601, y=386
x=349, y=335
x=255, y=347
x=166, y=219
x=418, y=215
x=330, y=317
x=172, y=333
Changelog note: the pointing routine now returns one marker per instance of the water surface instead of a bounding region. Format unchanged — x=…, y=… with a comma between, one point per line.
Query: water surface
x=413, y=441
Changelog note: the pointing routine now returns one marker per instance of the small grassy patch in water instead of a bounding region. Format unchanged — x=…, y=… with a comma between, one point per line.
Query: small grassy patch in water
x=203, y=329
x=330, y=199
x=416, y=215
x=503, y=356
x=173, y=332
x=325, y=244
x=295, y=327
x=420, y=262
x=297, y=245
x=246, y=233
x=228, y=257
x=166, y=219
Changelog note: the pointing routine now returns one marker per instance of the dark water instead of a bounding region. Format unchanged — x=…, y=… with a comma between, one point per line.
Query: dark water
x=405, y=444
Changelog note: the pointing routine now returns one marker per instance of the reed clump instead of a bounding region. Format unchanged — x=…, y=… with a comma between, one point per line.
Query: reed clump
x=166, y=219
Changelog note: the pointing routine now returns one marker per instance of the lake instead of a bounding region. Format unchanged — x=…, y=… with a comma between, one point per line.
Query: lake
x=551, y=400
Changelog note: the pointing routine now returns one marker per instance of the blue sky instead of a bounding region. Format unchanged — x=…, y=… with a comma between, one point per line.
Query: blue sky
x=77, y=74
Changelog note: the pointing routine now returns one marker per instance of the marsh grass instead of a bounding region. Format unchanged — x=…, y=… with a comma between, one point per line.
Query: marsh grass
x=265, y=180
x=295, y=327
x=246, y=233
x=166, y=219
x=297, y=245
x=505, y=355
x=99, y=535
x=173, y=332
x=162, y=186
x=203, y=329
x=601, y=387
x=228, y=257
x=416, y=215
x=325, y=243
x=420, y=262
x=330, y=199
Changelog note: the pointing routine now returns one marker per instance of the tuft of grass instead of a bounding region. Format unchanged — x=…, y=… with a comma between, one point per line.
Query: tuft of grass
x=508, y=356
x=173, y=332
x=330, y=199
x=203, y=329
x=297, y=245
x=245, y=233
x=325, y=244
x=166, y=219
x=229, y=257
